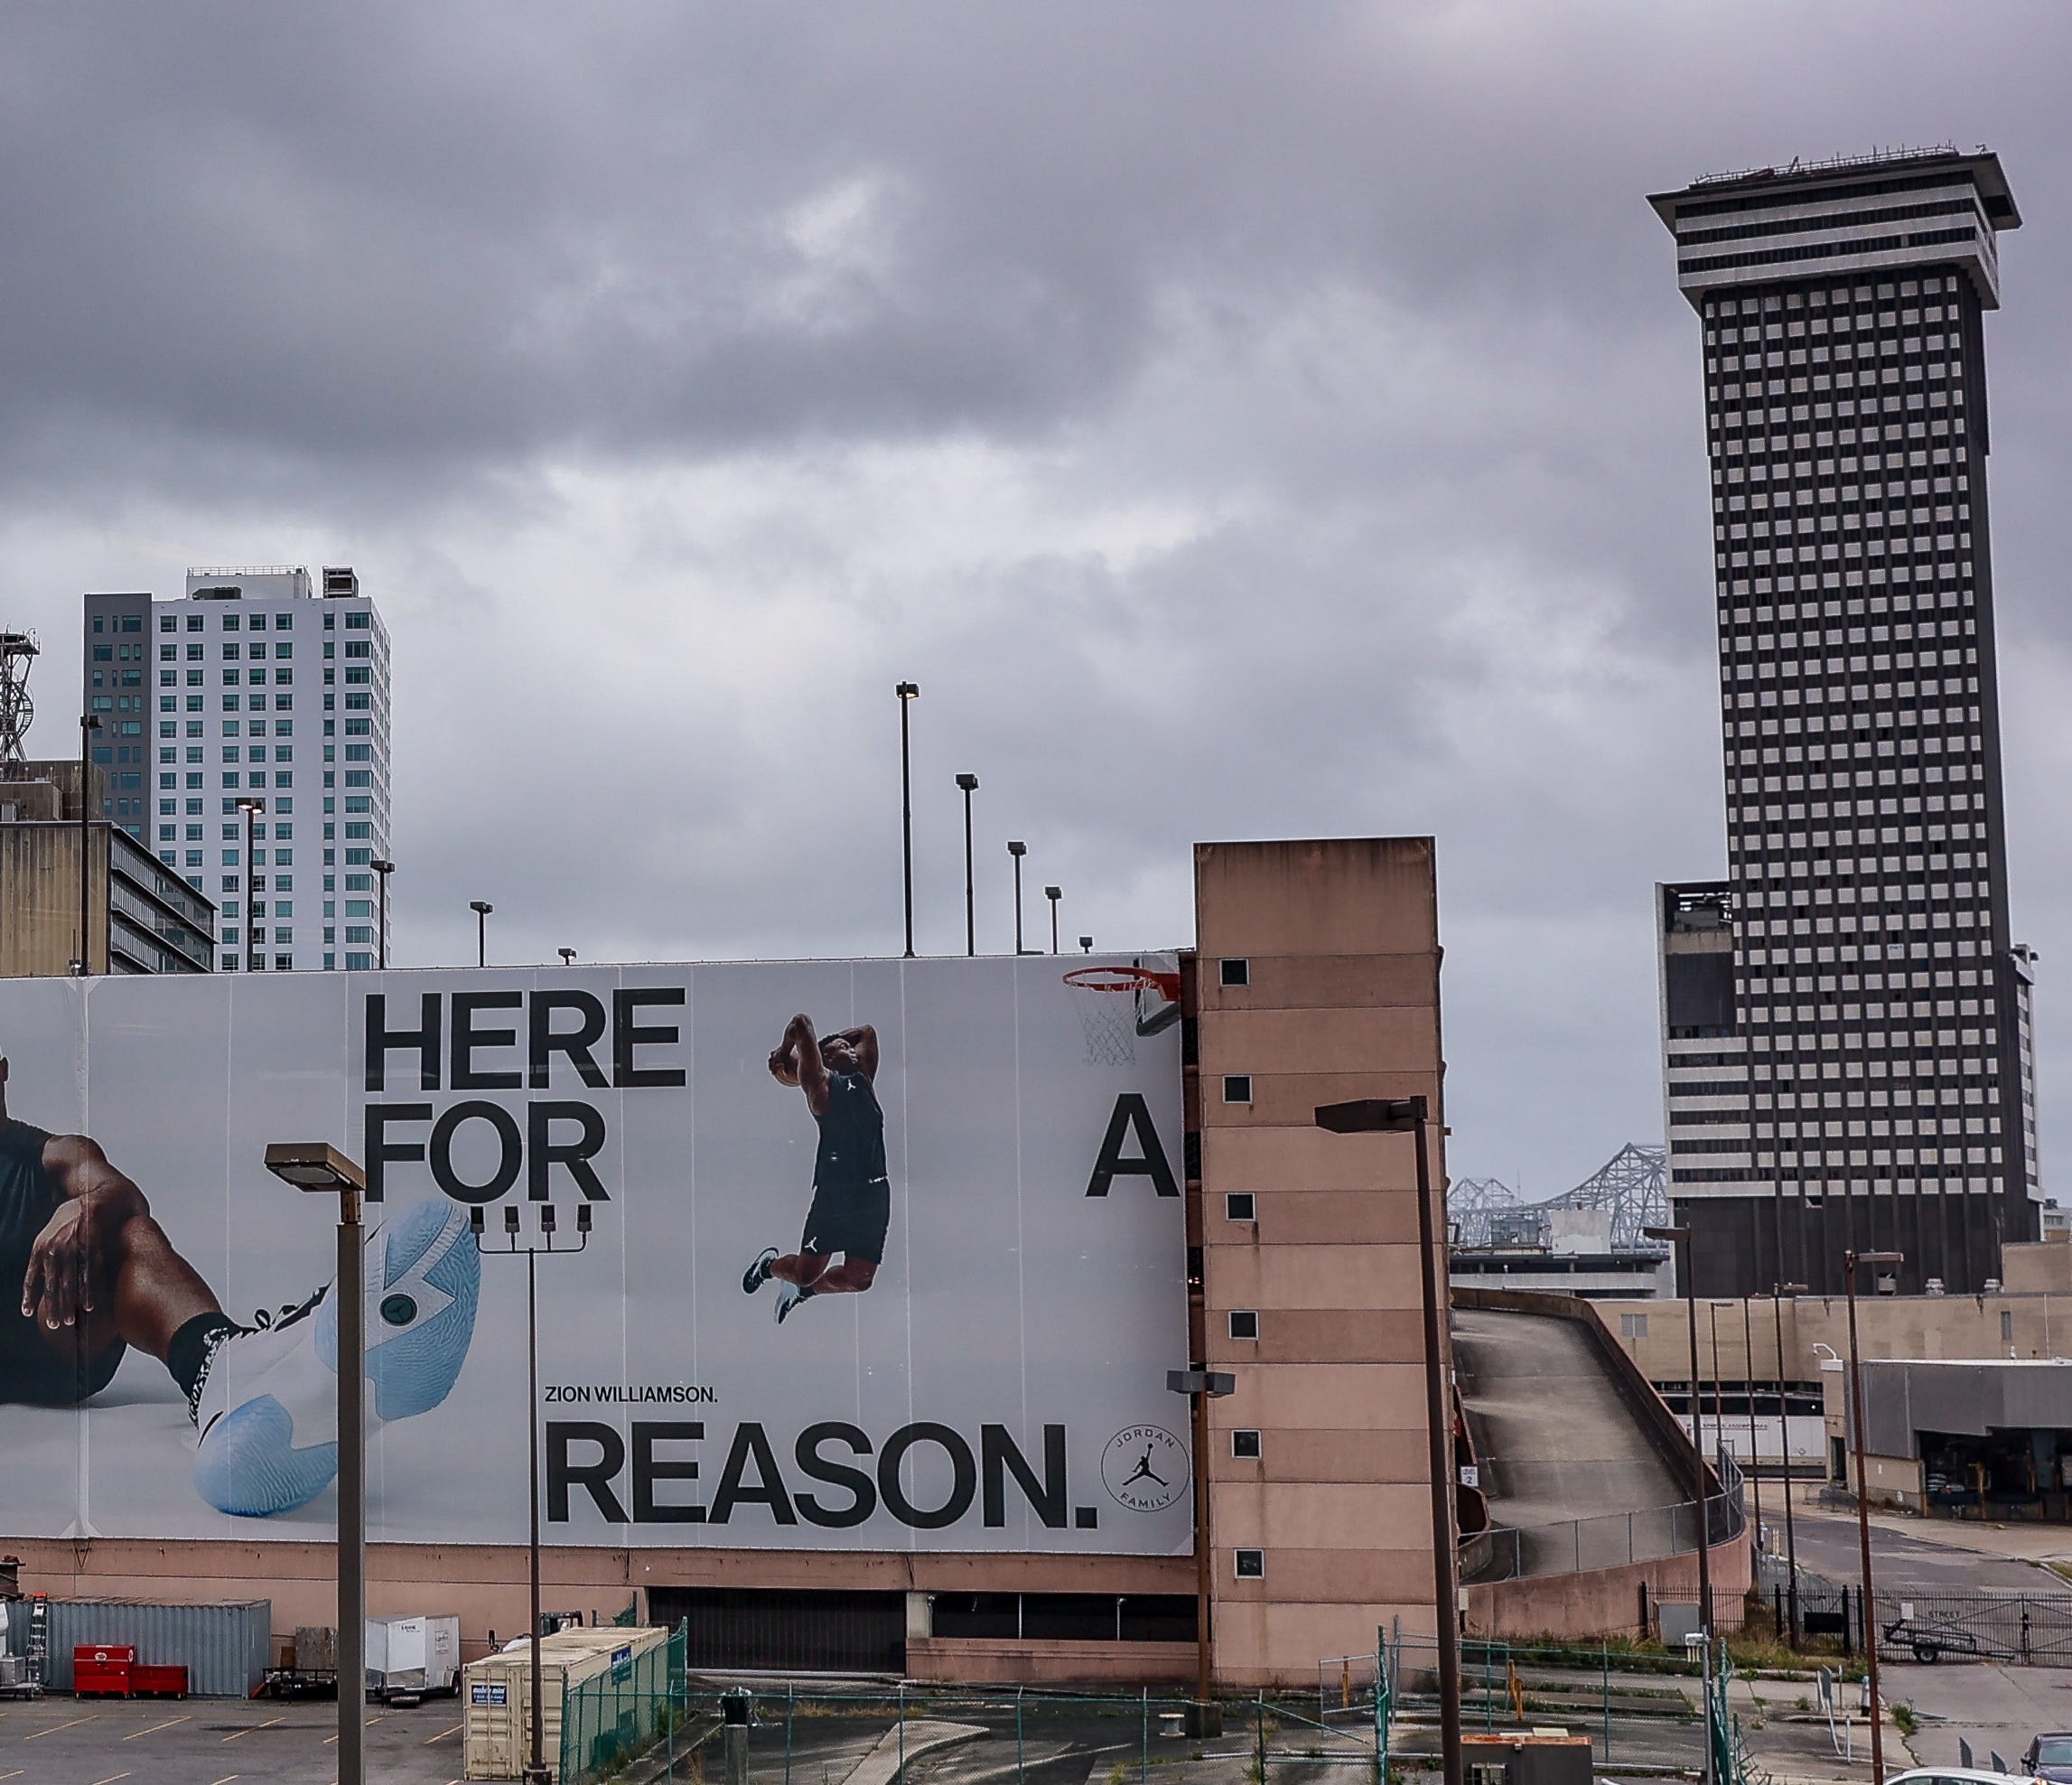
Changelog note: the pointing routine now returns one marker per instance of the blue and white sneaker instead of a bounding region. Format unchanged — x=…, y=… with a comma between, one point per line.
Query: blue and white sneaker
x=266, y=1407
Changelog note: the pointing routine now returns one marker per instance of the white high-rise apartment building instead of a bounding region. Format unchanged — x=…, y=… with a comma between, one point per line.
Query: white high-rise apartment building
x=257, y=699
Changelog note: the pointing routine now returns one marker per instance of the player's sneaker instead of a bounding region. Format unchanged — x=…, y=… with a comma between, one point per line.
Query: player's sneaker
x=758, y=1274
x=266, y=1407
x=788, y=1298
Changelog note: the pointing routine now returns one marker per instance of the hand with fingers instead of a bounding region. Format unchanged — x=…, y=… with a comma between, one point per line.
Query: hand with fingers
x=60, y=1287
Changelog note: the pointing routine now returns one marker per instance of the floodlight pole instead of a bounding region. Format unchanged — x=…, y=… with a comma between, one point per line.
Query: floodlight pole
x=251, y=809
x=318, y=1167
x=1850, y=1261
x=1680, y=1237
x=1017, y=850
x=969, y=784
x=1777, y=1293
x=88, y=725
x=1053, y=893
x=1412, y=1115
x=538, y=1772
x=383, y=869
x=1748, y=1389
x=907, y=691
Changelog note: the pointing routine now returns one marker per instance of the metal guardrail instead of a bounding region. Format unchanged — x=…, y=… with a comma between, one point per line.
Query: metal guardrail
x=1608, y=1540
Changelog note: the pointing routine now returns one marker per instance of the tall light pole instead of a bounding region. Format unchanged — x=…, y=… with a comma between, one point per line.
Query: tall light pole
x=1017, y=850
x=1680, y=1237
x=567, y=957
x=1408, y=1115
x=539, y=1772
x=382, y=869
x=1201, y=1384
x=1719, y=1407
x=1748, y=1389
x=1850, y=1261
x=251, y=807
x=481, y=908
x=320, y=1167
x=969, y=783
x=1777, y=1293
x=89, y=724
x=907, y=691
x=1053, y=893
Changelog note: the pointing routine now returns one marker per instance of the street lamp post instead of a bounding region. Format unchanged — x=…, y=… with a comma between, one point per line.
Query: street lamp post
x=567, y=957
x=1748, y=1390
x=88, y=725
x=906, y=692
x=1680, y=1237
x=1850, y=1261
x=1409, y=1115
x=382, y=869
x=1777, y=1293
x=481, y=908
x=1085, y=945
x=251, y=809
x=1053, y=893
x=321, y=1168
x=1017, y=850
x=538, y=1772
x=1200, y=1384
x=969, y=783
x=1719, y=1402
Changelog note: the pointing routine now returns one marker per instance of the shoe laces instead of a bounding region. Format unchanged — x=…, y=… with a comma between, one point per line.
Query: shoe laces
x=264, y=1320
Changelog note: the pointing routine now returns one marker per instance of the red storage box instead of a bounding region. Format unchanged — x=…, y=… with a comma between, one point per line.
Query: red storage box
x=158, y=1681
x=103, y=1670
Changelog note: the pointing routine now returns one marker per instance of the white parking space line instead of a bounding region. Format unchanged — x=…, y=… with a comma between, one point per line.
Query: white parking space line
x=55, y=1727
x=156, y=1727
x=241, y=1733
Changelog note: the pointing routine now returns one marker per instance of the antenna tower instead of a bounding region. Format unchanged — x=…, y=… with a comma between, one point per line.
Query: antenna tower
x=18, y=652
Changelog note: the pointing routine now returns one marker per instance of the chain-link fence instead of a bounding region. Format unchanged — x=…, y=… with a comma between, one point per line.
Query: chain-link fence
x=1640, y=1708
x=1608, y=1540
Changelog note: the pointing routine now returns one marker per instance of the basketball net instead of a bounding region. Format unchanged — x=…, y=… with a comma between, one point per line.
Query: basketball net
x=1105, y=1001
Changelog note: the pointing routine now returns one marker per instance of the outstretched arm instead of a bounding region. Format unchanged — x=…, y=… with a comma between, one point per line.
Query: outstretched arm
x=805, y=1047
x=863, y=1038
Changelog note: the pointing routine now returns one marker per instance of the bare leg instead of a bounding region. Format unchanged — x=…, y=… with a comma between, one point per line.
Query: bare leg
x=804, y=1269
x=156, y=1292
x=852, y=1276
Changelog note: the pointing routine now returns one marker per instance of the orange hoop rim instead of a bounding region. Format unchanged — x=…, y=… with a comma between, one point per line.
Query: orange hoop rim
x=1124, y=979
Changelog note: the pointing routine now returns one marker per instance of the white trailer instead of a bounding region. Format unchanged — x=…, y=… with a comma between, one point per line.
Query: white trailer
x=407, y=1657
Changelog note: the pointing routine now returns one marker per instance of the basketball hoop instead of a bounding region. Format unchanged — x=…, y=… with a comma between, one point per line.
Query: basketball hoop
x=1118, y=1003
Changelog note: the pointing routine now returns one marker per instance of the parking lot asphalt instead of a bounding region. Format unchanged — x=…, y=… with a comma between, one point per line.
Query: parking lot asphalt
x=217, y=1741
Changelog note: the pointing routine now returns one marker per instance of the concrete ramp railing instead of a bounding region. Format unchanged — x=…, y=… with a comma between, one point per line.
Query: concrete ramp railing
x=1619, y=1538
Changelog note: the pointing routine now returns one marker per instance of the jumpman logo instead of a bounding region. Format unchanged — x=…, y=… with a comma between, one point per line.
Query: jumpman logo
x=1144, y=1470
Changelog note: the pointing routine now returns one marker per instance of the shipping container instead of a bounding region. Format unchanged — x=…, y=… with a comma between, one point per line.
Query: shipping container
x=498, y=1690
x=409, y=1657
x=223, y=1646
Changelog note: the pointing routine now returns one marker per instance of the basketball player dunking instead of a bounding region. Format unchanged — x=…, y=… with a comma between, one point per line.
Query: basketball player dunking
x=851, y=1197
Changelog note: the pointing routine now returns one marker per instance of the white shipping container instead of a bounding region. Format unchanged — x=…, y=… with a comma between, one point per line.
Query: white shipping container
x=497, y=1689
x=409, y=1657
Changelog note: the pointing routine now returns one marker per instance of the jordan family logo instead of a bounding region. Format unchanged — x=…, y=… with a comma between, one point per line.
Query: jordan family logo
x=1144, y=1468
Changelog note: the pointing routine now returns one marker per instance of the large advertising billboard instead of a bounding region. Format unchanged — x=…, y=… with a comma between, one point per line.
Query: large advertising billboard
x=873, y=1255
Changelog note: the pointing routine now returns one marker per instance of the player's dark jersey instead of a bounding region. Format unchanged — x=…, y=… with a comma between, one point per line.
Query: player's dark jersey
x=852, y=1135
x=30, y=1369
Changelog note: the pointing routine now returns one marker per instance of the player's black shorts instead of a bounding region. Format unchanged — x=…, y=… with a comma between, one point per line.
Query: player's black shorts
x=31, y=1373
x=850, y=1218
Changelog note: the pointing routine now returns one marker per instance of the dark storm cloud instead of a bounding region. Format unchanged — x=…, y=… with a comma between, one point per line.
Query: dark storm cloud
x=1241, y=420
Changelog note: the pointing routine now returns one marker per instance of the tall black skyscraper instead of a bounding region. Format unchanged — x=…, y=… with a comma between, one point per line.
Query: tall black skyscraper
x=1845, y=1017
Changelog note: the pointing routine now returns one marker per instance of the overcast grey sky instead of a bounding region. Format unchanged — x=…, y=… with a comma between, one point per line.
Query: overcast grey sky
x=1241, y=420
